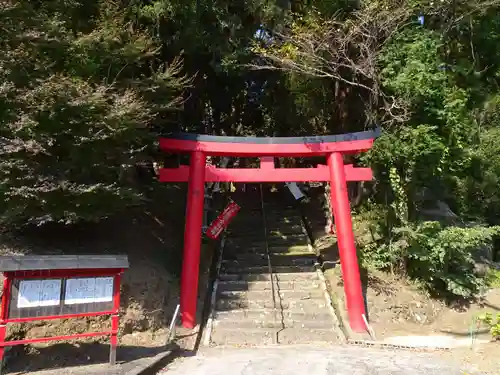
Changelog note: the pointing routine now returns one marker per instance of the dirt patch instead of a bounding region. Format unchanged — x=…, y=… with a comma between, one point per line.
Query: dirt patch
x=397, y=307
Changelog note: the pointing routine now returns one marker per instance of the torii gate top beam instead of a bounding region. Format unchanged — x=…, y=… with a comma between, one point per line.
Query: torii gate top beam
x=269, y=146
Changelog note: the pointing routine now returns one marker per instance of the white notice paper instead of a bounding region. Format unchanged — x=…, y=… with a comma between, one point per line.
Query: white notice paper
x=79, y=291
x=51, y=293
x=36, y=293
x=29, y=293
x=103, y=289
x=89, y=290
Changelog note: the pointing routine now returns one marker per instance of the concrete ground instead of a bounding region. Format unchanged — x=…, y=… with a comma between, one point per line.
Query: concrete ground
x=312, y=360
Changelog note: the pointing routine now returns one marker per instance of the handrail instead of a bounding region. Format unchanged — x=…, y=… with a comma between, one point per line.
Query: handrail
x=264, y=223
x=277, y=309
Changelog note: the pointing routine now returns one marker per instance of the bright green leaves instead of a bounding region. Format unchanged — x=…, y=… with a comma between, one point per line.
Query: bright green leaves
x=411, y=65
x=400, y=202
x=492, y=322
x=441, y=259
x=419, y=155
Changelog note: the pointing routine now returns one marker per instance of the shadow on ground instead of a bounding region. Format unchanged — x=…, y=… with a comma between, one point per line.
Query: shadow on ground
x=65, y=355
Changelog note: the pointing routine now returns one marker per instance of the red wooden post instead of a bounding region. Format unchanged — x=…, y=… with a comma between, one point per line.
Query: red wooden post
x=115, y=320
x=4, y=314
x=345, y=237
x=197, y=174
x=267, y=162
x=192, y=239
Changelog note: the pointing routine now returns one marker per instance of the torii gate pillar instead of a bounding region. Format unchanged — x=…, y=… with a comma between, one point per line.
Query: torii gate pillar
x=335, y=172
x=192, y=239
x=345, y=239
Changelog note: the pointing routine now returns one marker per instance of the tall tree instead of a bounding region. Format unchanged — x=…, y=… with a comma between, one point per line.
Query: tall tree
x=79, y=88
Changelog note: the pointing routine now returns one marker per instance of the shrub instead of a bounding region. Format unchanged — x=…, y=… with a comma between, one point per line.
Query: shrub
x=493, y=323
x=441, y=258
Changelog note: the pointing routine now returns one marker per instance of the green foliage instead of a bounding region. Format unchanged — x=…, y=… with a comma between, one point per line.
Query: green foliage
x=411, y=66
x=444, y=258
x=478, y=190
x=414, y=69
x=72, y=110
x=492, y=322
x=493, y=278
x=441, y=259
x=85, y=88
x=441, y=147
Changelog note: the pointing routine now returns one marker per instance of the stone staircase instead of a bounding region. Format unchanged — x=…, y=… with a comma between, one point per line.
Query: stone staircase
x=254, y=306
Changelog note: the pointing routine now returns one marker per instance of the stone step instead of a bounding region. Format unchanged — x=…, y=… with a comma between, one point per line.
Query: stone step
x=249, y=260
x=267, y=336
x=244, y=221
x=272, y=220
x=285, y=295
x=293, y=230
x=248, y=225
x=256, y=225
x=278, y=207
x=288, y=242
x=272, y=322
x=273, y=252
x=300, y=306
x=275, y=218
x=245, y=233
x=294, y=249
x=251, y=232
x=242, y=230
x=247, y=314
x=261, y=243
x=266, y=277
x=268, y=322
x=272, y=237
x=271, y=208
x=228, y=305
x=280, y=226
x=242, y=285
x=230, y=254
x=277, y=258
x=275, y=235
x=243, y=337
x=231, y=264
x=322, y=315
x=295, y=335
x=241, y=269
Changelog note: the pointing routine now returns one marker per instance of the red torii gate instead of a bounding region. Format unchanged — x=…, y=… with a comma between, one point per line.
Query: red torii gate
x=267, y=148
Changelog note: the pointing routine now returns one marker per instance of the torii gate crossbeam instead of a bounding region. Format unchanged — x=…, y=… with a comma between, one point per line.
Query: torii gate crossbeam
x=334, y=172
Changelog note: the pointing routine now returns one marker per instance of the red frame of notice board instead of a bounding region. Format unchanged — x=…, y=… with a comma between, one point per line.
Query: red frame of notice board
x=10, y=276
